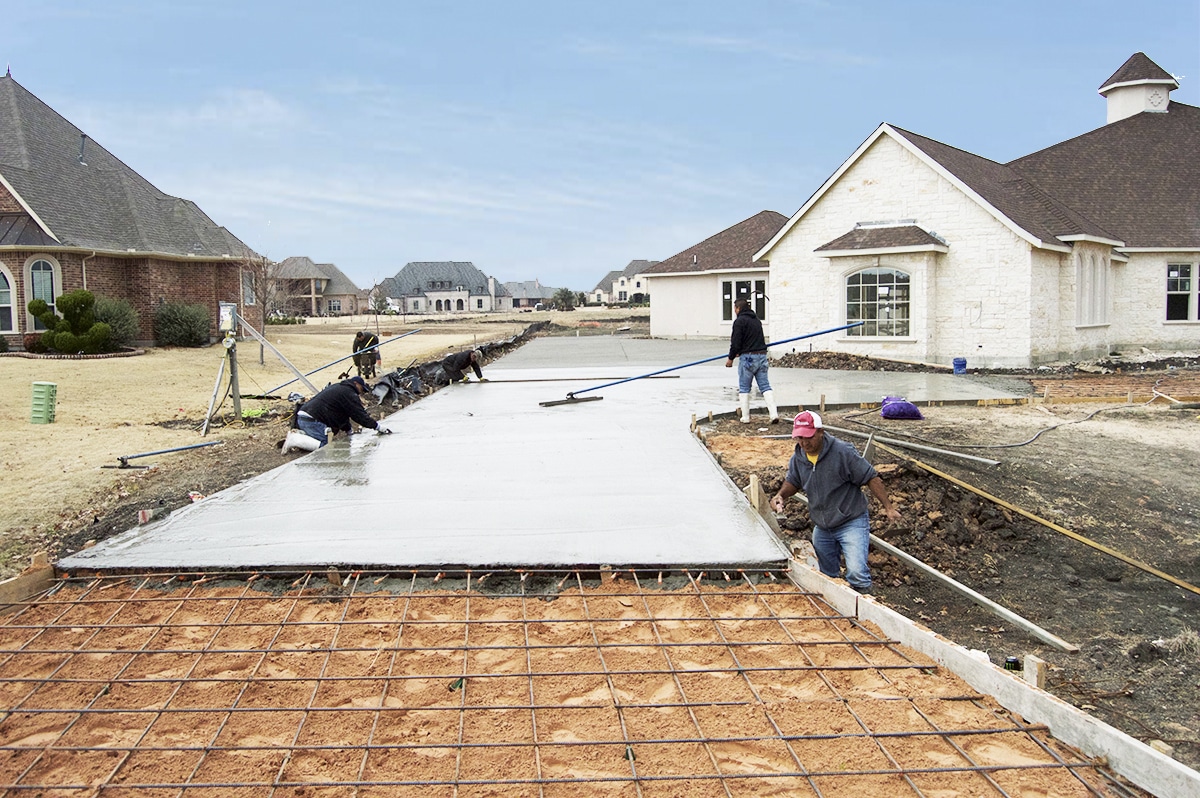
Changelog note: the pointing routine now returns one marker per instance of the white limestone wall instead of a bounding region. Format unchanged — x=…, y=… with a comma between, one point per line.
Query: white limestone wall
x=689, y=306
x=1140, y=304
x=974, y=302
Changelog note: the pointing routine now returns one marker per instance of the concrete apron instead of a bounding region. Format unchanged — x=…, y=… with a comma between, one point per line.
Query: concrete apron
x=480, y=475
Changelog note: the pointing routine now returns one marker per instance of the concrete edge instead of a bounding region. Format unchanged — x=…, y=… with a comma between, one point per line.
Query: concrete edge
x=1147, y=768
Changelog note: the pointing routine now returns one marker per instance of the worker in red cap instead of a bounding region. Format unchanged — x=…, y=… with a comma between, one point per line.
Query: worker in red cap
x=832, y=474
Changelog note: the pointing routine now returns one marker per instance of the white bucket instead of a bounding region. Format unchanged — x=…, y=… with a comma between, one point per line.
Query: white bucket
x=296, y=439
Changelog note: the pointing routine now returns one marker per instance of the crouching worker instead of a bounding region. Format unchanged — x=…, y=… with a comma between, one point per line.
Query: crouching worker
x=454, y=365
x=335, y=407
x=831, y=473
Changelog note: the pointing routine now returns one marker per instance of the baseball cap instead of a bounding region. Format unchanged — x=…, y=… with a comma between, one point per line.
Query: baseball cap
x=806, y=424
x=360, y=382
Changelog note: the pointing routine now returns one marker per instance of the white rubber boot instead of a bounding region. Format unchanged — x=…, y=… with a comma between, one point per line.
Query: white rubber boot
x=744, y=399
x=769, y=396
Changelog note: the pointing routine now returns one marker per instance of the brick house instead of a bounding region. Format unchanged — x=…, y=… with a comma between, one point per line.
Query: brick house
x=694, y=290
x=314, y=289
x=74, y=216
x=1088, y=246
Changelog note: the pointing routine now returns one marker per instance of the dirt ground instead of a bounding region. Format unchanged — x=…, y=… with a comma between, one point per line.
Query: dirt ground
x=1121, y=475
x=1124, y=477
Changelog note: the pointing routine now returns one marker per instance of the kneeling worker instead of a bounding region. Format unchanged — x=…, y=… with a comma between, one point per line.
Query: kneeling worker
x=334, y=407
x=455, y=365
x=831, y=473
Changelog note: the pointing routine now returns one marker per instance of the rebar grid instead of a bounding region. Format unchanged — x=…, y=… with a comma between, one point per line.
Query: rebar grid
x=621, y=681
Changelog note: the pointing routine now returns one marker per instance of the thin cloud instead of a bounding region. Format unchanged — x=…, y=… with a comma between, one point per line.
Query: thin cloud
x=741, y=45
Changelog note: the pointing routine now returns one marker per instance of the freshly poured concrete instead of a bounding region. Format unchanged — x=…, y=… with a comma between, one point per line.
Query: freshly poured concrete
x=481, y=475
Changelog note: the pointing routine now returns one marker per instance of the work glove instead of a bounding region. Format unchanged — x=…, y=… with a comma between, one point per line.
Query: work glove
x=465, y=379
x=483, y=379
x=383, y=431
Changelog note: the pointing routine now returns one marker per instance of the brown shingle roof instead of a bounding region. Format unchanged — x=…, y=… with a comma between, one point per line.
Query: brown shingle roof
x=1039, y=213
x=1139, y=177
x=883, y=237
x=1139, y=69
x=732, y=248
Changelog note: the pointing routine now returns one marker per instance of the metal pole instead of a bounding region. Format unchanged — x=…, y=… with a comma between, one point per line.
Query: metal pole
x=233, y=378
x=710, y=359
x=339, y=360
x=125, y=459
x=213, y=401
x=908, y=445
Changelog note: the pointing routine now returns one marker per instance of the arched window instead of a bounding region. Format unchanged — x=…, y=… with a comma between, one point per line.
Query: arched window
x=460, y=305
x=438, y=306
x=879, y=298
x=7, y=319
x=42, y=282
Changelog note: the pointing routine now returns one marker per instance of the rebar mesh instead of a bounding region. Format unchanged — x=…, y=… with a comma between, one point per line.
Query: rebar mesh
x=521, y=683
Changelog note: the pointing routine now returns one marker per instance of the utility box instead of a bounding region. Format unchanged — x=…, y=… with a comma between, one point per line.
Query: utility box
x=45, y=397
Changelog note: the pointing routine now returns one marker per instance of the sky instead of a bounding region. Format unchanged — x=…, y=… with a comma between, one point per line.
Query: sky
x=552, y=139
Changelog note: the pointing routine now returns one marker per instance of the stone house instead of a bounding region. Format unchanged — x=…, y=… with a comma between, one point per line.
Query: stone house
x=529, y=293
x=73, y=216
x=444, y=287
x=314, y=289
x=694, y=290
x=623, y=286
x=1088, y=246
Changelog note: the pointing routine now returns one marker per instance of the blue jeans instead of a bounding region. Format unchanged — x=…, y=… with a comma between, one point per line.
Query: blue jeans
x=312, y=428
x=752, y=367
x=851, y=541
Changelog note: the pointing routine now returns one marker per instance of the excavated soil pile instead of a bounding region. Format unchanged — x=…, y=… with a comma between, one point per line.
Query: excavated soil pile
x=386, y=685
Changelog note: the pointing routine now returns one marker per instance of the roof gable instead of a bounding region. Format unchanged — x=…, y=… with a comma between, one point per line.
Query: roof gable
x=85, y=197
x=732, y=248
x=868, y=236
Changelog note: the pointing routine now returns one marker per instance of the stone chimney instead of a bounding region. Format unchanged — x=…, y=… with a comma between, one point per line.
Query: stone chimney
x=1140, y=85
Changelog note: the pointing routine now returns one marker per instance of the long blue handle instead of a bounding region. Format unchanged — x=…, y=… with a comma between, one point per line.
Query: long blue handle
x=710, y=359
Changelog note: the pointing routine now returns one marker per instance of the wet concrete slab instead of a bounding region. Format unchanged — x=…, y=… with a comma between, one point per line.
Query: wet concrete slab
x=482, y=475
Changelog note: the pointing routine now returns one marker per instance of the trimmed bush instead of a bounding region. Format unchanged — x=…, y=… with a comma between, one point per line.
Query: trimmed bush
x=32, y=342
x=121, y=318
x=3, y=344
x=177, y=324
x=76, y=330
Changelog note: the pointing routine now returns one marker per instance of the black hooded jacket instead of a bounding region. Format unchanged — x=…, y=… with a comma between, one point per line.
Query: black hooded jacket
x=747, y=335
x=336, y=405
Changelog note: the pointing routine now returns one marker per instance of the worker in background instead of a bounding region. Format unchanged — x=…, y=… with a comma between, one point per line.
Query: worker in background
x=749, y=348
x=335, y=407
x=455, y=365
x=364, y=361
x=831, y=473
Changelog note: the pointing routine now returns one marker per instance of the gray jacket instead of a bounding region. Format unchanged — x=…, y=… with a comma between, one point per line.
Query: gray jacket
x=834, y=485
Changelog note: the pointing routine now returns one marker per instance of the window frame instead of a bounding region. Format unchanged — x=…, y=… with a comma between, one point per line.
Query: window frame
x=732, y=290
x=1188, y=291
x=249, y=296
x=901, y=324
x=32, y=324
x=11, y=305
x=1091, y=290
